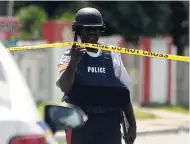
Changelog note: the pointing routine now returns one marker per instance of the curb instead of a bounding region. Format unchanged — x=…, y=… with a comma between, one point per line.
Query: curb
x=171, y=130
x=61, y=137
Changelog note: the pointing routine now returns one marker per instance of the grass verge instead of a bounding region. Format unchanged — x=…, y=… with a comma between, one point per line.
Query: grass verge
x=178, y=109
x=144, y=115
x=141, y=115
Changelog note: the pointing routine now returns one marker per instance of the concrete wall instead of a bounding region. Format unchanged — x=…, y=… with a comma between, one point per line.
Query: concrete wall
x=183, y=82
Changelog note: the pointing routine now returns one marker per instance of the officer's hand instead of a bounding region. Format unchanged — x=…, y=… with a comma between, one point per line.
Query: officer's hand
x=132, y=134
x=77, y=53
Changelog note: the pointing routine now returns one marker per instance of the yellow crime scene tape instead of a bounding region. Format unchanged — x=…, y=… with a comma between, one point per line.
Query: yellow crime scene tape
x=107, y=48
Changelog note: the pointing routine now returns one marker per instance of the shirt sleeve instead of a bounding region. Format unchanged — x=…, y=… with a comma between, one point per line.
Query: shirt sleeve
x=64, y=62
x=124, y=75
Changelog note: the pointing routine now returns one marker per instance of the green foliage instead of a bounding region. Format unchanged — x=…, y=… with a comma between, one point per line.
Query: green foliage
x=132, y=19
x=172, y=108
x=67, y=17
x=32, y=18
x=135, y=19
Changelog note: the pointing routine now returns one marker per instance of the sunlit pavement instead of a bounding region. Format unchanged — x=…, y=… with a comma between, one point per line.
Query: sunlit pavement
x=172, y=138
x=165, y=138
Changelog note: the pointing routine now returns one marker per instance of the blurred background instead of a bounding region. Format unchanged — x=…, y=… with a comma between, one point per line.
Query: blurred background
x=159, y=87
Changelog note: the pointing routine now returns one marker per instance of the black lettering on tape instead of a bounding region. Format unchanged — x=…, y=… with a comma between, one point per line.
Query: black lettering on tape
x=113, y=48
x=127, y=50
x=161, y=55
x=132, y=50
x=145, y=53
x=157, y=55
x=106, y=47
x=165, y=56
x=100, y=46
x=116, y=48
x=119, y=48
x=103, y=46
x=137, y=51
x=154, y=54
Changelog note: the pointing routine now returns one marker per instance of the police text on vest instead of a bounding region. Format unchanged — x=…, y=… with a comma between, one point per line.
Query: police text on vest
x=96, y=70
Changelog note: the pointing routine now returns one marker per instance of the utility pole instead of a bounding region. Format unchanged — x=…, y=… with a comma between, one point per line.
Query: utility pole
x=10, y=8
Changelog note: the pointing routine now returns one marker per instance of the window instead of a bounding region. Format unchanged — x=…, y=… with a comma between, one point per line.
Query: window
x=2, y=74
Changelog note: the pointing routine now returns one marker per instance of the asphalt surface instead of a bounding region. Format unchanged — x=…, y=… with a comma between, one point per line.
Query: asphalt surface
x=159, y=138
x=170, y=138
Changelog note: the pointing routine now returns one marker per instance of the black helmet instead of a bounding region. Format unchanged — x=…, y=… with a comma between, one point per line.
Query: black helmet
x=88, y=17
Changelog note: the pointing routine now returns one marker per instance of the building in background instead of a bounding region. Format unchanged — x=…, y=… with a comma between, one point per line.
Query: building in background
x=35, y=67
x=9, y=30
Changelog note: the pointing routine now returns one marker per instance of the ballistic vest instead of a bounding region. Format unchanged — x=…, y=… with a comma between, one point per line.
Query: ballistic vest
x=96, y=83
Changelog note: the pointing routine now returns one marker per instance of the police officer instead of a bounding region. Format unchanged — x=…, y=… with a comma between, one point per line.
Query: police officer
x=98, y=83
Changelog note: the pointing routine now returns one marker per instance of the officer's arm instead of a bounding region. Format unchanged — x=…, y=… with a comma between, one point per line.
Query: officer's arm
x=129, y=113
x=128, y=108
x=67, y=69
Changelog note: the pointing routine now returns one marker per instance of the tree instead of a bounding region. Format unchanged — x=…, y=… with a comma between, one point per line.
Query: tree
x=178, y=24
x=132, y=19
x=67, y=16
x=135, y=19
x=32, y=18
x=148, y=18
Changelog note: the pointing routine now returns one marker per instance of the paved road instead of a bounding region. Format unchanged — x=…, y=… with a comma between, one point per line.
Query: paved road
x=178, y=138
x=172, y=138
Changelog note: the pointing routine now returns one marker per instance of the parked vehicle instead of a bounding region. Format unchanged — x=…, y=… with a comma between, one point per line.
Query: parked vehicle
x=20, y=122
